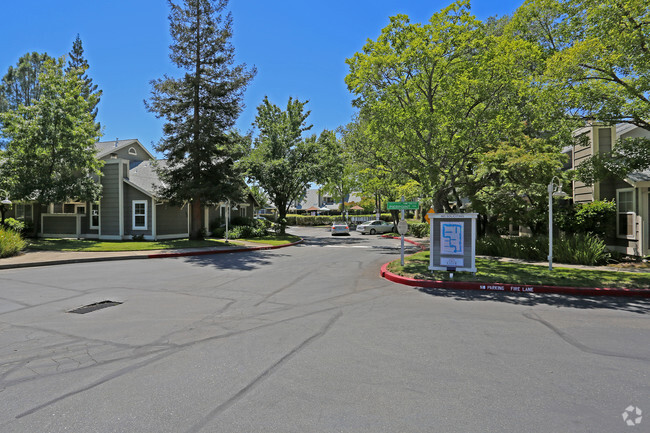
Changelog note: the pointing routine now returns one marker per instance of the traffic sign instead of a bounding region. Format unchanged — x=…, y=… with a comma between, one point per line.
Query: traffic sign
x=429, y=214
x=402, y=227
x=403, y=205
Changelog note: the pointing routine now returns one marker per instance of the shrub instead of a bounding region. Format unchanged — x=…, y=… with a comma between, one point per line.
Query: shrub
x=240, y=221
x=419, y=230
x=137, y=238
x=579, y=249
x=11, y=243
x=597, y=217
x=262, y=224
x=15, y=225
x=516, y=247
x=215, y=225
x=239, y=232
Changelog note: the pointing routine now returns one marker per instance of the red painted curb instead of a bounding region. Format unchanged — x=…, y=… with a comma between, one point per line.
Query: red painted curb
x=205, y=253
x=513, y=288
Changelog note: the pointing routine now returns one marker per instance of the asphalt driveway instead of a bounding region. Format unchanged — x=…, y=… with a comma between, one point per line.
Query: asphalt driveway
x=308, y=339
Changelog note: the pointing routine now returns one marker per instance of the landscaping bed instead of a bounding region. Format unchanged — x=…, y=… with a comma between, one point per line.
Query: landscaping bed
x=495, y=271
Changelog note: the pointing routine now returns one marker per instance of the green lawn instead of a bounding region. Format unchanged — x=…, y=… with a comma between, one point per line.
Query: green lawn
x=52, y=244
x=494, y=271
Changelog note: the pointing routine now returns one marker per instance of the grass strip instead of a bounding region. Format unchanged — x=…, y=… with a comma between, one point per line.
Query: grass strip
x=494, y=271
x=53, y=244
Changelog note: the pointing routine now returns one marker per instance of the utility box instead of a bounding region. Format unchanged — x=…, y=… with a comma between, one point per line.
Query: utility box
x=452, y=242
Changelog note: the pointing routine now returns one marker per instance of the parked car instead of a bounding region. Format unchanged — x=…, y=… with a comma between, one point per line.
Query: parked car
x=340, y=228
x=374, y=227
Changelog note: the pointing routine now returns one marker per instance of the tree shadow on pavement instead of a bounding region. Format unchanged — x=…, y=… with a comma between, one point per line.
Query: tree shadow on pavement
x=630, y=304
x=332, y=240
x=245, y=261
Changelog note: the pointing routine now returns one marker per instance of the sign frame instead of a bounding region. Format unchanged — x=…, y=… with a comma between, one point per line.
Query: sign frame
x=441, y=256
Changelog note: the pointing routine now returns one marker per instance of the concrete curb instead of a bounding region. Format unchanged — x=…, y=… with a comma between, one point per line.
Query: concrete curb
x=420, y=246
x=144, y=256
x=513, y=288
x=69, y=261
x=237, y=250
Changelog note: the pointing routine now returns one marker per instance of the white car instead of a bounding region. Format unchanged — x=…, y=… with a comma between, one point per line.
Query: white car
x=340, y=228
x=374, y=227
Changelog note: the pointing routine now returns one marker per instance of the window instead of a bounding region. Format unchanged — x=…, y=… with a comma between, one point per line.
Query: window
x=132, y=151
x=23, y=211
x=625, y=213
x=139, y=215
x=94, y=216
x=68, y=208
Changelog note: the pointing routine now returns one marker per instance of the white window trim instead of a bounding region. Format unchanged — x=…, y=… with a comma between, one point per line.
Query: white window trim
x=132, y=151
x=133, y=225
x=99, y=216
x=619, y=213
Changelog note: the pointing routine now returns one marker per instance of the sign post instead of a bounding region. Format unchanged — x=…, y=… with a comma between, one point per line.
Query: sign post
x=402, y=226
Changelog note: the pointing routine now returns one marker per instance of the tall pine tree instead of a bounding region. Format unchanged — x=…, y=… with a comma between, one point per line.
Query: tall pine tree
x=200, y=109
x=78, y=62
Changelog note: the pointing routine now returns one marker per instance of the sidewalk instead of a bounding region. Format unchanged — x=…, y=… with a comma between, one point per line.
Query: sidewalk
x=47, y=258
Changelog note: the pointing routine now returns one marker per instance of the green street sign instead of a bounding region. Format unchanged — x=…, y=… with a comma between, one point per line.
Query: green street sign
x=403, y=205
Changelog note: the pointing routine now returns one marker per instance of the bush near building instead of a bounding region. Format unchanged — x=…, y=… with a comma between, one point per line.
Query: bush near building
x=11, y=243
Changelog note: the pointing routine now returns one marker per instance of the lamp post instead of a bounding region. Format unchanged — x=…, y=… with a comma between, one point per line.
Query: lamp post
x=552, y=192
x=228, y=216
x=5, y=202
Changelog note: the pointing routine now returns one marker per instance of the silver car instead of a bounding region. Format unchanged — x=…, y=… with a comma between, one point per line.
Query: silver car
x=374, y=227
x=340, y=228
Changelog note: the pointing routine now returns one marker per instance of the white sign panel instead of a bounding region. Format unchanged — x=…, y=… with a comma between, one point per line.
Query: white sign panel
x=451, y=238
x=452, y=262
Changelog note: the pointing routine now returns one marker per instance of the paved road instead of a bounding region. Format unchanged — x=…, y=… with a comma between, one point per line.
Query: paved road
x=309, y=339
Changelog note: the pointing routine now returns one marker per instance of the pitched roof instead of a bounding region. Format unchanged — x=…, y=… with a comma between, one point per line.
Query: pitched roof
x=142, y=174
x=107, y=147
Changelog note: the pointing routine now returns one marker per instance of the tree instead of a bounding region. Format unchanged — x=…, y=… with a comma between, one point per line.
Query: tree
x=200, y=109
x=20, y=85
x=339, y=174
x=50, y=155
x=436, y=96
x=282, y=162
x=78, y=63
x=598, y=54
x=259, y=196
x=510, y=183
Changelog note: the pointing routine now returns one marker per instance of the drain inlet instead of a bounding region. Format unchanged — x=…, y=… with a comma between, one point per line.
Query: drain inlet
x=94, y=307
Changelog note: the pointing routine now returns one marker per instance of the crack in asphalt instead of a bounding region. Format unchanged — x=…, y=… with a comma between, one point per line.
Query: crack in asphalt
x=264, y=375
x=578, y=345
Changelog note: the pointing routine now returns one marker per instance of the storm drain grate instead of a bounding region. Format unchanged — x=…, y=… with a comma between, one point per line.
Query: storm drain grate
x=93, y=307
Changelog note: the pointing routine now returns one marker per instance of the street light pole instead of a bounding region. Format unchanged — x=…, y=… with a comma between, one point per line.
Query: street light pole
x=550, y=225
x=5, y=202
x=227, y=215
x=552, y=193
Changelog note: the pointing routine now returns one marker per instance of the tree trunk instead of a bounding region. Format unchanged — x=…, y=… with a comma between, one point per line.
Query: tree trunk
x=196, y=220
x=36, y=219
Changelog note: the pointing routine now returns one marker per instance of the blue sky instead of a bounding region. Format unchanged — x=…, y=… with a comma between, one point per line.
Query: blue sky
x=299, y=48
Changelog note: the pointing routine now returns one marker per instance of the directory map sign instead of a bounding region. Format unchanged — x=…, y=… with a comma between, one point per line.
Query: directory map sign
x=452, y=242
